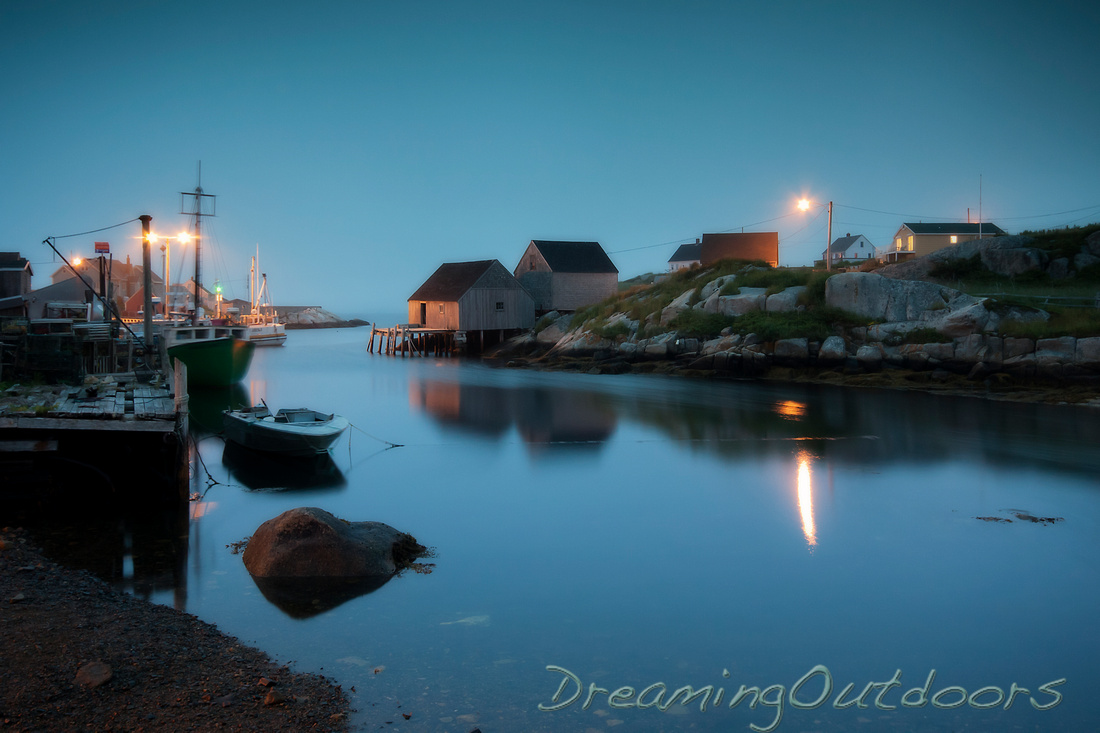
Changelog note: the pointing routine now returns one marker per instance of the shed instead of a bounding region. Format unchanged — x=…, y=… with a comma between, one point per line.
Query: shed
x=741, y=246
x=15, y=274
x=471, y=296
x=685, y=256
x=565, y=276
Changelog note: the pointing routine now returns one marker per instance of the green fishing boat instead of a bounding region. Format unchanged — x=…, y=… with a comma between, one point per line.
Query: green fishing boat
x=217, y=362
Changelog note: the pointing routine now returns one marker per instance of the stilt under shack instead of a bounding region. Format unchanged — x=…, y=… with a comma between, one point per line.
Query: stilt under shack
x=409, y=340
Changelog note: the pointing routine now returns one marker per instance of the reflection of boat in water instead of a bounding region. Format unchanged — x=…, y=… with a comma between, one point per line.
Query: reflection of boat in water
x=205, y=406
x=266, y=471
x=291, y=432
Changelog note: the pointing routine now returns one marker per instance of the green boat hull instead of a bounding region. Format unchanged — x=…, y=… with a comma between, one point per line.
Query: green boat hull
x=215, y=363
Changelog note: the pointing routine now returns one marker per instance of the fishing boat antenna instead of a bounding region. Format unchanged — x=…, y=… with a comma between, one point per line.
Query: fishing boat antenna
x=200, y=205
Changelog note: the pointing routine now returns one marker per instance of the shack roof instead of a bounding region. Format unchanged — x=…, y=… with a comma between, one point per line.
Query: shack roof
x=574, y=256
x=452, y=280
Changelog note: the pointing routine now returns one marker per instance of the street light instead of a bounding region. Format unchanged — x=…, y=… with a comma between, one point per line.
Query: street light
x=804, y=205
x=183, y=238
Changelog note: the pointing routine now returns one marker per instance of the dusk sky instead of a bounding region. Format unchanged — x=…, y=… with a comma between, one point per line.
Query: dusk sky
x=362, y=144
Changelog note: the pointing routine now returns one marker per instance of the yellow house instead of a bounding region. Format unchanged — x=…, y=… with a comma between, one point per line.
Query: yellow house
x=917, y=240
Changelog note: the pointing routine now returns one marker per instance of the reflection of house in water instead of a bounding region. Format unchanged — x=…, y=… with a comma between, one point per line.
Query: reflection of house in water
x=476, y=408
x=555, y=419
x=548, y=418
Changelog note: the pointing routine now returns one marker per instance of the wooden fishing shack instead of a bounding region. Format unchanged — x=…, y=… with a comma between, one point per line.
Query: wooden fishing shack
x=478, y=302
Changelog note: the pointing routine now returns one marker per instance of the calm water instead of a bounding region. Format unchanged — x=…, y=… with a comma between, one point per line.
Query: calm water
x=655, y=533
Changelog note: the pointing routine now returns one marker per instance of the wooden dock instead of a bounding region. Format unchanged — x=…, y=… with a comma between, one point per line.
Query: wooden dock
x=130, y=429
x=410, y=340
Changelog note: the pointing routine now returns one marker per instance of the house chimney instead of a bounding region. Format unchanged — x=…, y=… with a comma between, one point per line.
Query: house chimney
x=848, y=234
x=127, y=260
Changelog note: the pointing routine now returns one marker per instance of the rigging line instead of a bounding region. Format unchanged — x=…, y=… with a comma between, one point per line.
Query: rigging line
x=108, y=305
x=364, y=432
x=93, y=231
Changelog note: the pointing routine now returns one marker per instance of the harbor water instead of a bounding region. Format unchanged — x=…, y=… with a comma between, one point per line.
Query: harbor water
x=645, y=553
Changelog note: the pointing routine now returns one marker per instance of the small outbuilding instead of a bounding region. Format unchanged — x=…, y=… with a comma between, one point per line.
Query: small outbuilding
x=565, y=276
x=472, y=296
x=686, y=256
x=740, y=246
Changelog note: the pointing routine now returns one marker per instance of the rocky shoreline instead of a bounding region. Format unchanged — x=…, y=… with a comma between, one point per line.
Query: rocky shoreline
x=889, y=332
x=80, y=655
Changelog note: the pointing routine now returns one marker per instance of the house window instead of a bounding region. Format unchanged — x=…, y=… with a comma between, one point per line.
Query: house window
x=898, y=243
x=954, y=239
x=500, y=306
x=910, y=243
x=440, y=307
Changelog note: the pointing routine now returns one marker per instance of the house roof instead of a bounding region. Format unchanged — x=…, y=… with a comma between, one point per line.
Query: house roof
x=452, y=280
x=70, y=289
x=119, y=270
x=841, y=244
x=574, y=256
x=951, y=228
x=687, y=252
x=13, y=261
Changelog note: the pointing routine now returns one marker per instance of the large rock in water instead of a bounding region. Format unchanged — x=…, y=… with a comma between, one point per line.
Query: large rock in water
x=311, y=543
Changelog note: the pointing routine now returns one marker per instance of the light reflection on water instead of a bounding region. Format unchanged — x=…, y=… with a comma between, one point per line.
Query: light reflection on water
x=636, y=530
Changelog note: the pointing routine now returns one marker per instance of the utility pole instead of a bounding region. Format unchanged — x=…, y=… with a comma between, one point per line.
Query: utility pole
x=829, y=240
x=147, y=284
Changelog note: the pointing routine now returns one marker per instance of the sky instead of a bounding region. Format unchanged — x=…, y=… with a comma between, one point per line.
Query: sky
x=359, y=145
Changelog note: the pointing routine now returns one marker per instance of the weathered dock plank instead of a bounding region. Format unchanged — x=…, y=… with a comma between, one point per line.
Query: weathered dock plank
x=77, y=423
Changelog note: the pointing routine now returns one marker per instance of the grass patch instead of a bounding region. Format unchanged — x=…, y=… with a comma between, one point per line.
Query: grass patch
x=817, y=324
x=543, y=324
x=699, y=324
x=1079, y=322
x=1065, y=242
x=775, y=280
x=612, y=333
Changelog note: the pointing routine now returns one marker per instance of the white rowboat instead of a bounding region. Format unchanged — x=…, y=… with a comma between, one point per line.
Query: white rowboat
x=294, y=432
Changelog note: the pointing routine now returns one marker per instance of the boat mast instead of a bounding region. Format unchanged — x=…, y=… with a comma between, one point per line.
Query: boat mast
x=198, y=210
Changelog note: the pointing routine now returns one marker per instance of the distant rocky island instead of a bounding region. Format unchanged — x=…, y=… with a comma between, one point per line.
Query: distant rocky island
x=313, y=316
x=1002, y=315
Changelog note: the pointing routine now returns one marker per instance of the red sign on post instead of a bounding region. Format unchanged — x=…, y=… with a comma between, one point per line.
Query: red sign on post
x=102, y=248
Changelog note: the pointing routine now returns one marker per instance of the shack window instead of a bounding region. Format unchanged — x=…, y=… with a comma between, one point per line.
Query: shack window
x=500, y=306
x=440, y=307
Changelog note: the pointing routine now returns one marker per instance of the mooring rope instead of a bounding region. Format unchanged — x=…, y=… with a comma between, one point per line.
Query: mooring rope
x=364, y=432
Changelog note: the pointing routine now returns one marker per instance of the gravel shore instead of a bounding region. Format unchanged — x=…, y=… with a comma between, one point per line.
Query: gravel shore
x=78, y=655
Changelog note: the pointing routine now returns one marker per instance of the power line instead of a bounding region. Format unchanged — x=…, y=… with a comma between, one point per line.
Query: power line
x=93, y=231
x=687, y=240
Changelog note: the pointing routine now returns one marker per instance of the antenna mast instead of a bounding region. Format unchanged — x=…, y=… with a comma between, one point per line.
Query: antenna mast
x=200, y=205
